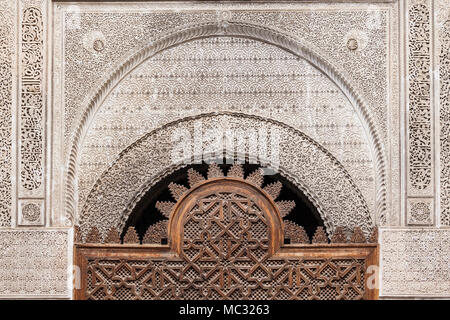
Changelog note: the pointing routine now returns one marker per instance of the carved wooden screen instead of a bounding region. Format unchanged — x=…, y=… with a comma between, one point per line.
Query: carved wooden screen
x=155, y=272
x=225, y=242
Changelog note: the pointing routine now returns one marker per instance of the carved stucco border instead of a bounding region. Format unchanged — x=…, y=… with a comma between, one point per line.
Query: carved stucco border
x=239, y=29
x=120, y=165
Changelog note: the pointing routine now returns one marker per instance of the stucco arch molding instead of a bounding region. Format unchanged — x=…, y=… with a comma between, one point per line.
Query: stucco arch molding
x=324, y=181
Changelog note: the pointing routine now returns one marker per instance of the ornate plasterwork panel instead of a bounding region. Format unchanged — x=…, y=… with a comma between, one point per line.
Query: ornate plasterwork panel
x=443, y=58
x=308, y=165
x=420, y=212
x=31, y=114
x=31, y=104
x=31, y=213
x=420, y=177
x=227, y=74
x=90, y=47
x=306, y=283
x=7, y=54
x=419, y=98
x=34, y=263
x=415, y=262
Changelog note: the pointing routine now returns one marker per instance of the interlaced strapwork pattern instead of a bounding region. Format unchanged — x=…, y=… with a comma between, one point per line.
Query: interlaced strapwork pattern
x=225, y=255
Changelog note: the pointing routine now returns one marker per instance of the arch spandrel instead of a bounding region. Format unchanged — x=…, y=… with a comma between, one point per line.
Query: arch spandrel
x=325, y=182
x=244, y=30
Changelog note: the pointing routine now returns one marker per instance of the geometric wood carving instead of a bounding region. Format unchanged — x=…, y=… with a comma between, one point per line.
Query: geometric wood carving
x=214, y=171
x=112, y=236
x=256, y=178
x=295, y=233
x=320, y=236
x=236, y=171
x=357, y=236
x=165, y=207
x=177, y=190
x=93, y=236
x=285, y=207
x=194, y=177
x=156, y=233
x=339, y=235
x=224, y=258
x=131, y=236
x=170, y=279
x=273, y=189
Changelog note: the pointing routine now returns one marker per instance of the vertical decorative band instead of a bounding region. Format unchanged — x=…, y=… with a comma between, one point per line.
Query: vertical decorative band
x=420, y=158
x=444, y=116
x=31, y=111
x=6, y=76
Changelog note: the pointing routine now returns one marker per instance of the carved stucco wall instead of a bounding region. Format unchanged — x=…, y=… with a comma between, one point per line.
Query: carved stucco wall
x=327, y=28
x=35, y=263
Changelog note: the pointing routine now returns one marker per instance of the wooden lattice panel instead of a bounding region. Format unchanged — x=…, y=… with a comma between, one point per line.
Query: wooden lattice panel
x=225, y=242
